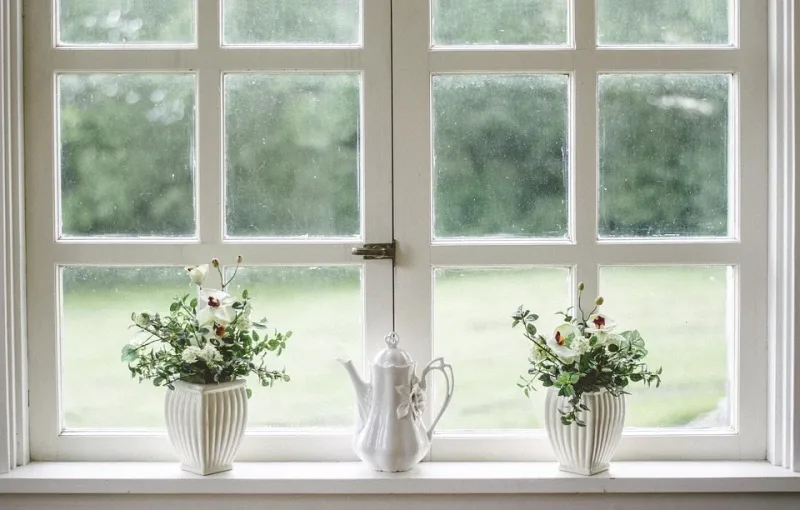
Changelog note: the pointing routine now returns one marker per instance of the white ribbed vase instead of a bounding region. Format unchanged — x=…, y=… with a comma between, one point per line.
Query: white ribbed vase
x=205, y=423
x=585, y=450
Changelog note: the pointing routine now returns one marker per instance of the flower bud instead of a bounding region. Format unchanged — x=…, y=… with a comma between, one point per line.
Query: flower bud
x=215, y=262
x=580, y=287
x=599, y=301
x=239, y=259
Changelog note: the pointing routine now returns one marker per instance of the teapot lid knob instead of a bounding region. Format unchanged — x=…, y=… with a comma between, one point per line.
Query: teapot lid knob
x=392, y=339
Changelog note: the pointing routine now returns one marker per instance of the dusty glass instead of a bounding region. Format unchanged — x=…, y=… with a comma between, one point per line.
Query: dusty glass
x=292, y=155
x=472, y=310
x=97, y=304
x=323, y=307
x=292, y=22
x=500, y=22
x=97, y=390
x=501, y=160
x=126, y=22
x=660, y=22
x=663, y=147
x=127, y=154
x=684, y=316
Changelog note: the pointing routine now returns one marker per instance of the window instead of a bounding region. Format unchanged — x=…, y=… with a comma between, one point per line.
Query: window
x=511, y=149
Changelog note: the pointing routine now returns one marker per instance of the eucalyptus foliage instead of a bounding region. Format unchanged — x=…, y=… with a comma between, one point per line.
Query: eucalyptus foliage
x=205, y=339
x=584, y=355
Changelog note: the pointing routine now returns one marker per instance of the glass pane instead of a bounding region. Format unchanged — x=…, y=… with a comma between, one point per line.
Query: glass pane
x=97, y=389
x=126, y=22
x=323, y=308
x=97, y=306
x=664, y=155
x=292, y=154
x=501, y=155
x=500, y=22
x=127, y=154
x=292, y=21
x=660, y=22
x=472, y=331
x=682, y=313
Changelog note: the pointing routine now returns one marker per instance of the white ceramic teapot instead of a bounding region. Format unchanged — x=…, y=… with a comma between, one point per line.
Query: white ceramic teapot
x=390, y=433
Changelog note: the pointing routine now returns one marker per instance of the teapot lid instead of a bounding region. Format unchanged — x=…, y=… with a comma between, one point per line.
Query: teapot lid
x=392, y=356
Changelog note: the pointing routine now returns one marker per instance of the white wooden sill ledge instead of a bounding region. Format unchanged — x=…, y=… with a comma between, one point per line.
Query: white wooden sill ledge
x=427, y=478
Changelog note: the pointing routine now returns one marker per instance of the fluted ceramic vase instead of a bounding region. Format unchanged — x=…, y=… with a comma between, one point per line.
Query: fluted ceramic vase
x=205, y=423
x=585, y=450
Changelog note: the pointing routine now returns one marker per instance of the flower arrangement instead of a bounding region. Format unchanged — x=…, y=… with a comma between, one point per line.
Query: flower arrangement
x=206, y=339
x=584, y=355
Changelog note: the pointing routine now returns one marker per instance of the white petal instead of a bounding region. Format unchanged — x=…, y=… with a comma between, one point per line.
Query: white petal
x=402, y=410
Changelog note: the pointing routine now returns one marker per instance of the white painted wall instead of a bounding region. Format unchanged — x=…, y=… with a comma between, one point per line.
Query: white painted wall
x=528, y=502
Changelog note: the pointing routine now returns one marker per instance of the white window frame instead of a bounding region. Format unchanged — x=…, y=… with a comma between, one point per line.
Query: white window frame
x=208, y=60
x=746, y=250
x=784, y=312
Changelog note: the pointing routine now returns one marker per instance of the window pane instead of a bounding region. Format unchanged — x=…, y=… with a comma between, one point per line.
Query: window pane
x=292, y=22
x=664, y=155
x=472, y=331
x=663, y=22
x=501, y=163
x=500, y=22
x=127, y=154
x=292, y=154
x=97, y=389
x=126, y=22
x=97, y=306
x=323, y=307
x=682, y=313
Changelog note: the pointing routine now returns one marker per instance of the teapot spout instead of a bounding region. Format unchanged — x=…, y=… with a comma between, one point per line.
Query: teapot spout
x=362, y=391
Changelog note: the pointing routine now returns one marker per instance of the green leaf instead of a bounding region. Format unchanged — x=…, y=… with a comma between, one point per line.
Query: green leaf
x=245, y=294
x=193, y=303
x=174, y=306
x=249, y=391
x=130, y=353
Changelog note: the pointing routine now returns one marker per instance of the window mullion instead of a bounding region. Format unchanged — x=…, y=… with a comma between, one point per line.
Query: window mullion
x=584, y=173
x=208, y=154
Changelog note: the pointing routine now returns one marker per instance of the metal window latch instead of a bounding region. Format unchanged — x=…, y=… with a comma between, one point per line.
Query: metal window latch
x=376, y=251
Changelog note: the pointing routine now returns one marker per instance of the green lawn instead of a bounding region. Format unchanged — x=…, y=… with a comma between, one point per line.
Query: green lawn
x=679, y=311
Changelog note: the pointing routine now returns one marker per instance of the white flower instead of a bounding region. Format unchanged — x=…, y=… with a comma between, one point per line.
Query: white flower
x=190, y=354
x=413, y=400
x=565, y=334
x=197, y=274
x=210, y=354
x=599, y=323
x=537, y=354
x=564, y=353
x=580, y=345
x=215, y=307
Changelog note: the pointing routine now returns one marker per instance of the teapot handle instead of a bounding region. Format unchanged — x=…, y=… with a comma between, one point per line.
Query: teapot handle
x=447, y=370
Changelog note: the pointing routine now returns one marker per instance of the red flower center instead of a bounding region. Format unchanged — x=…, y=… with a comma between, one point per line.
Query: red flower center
x=212, y=301
x=559, y=338
x=599, y=321
x=219, y=330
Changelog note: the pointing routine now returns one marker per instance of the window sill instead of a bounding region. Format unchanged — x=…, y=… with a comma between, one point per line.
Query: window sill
x=428, y=478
